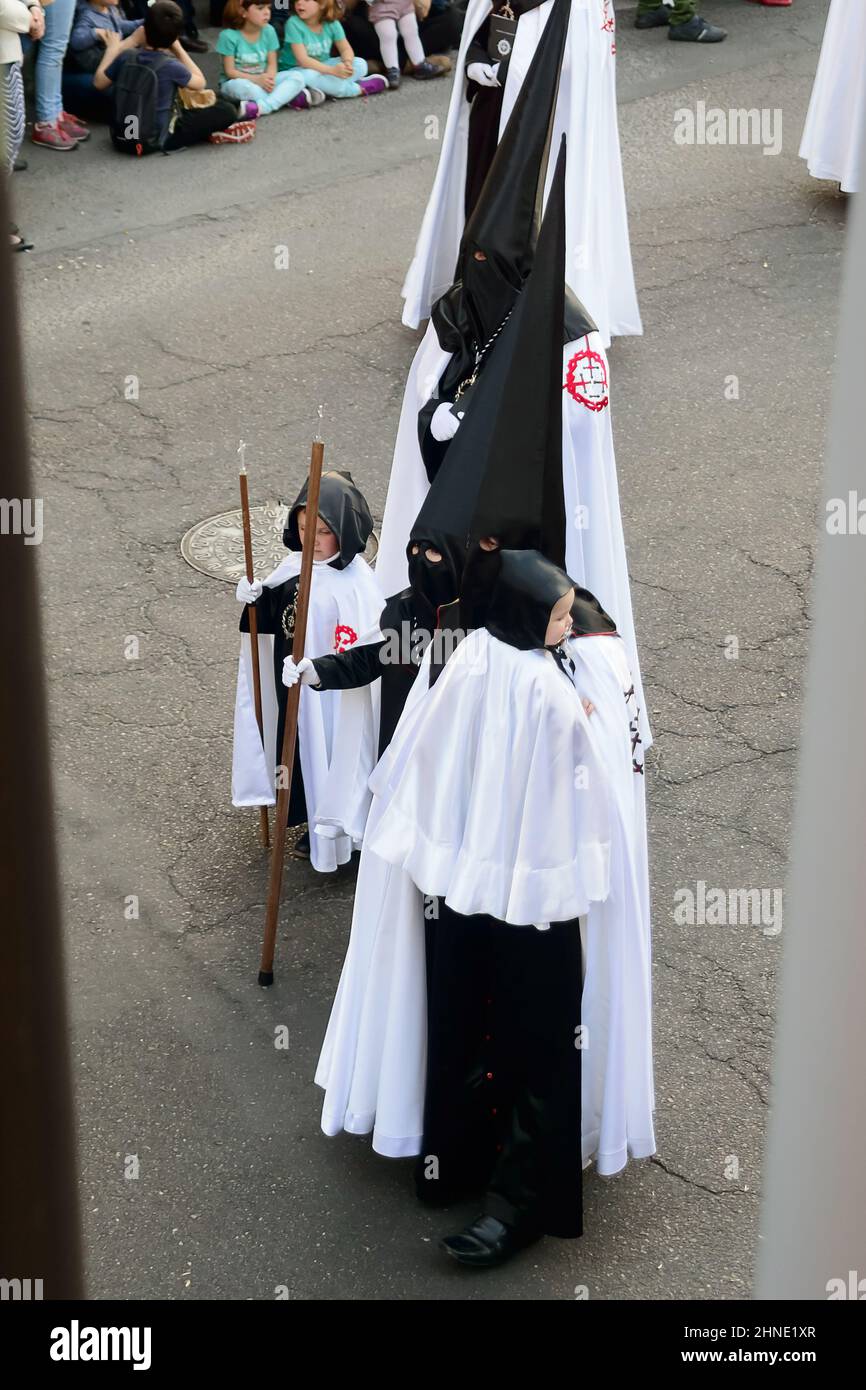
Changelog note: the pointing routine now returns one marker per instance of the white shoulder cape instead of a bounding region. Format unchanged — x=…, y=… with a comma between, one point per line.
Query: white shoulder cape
x=832, y=142
x=594, y=542
x=343, y=604
x=495, y=799
x=598, y=256
x=372, y=1064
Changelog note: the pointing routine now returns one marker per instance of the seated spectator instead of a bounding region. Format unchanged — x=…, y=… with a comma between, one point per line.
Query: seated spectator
x=440, y=24
x=249, y=57
x=94, y=20
x=312, y=34
x=391, y=18
x=190, y=38
x=156, y=44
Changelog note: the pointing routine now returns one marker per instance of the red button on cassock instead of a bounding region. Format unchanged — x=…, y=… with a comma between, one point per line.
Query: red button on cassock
x=490, y=1076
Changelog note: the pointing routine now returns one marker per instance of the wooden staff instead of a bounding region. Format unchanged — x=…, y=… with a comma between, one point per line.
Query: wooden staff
x=254, y=629
x=290, y=731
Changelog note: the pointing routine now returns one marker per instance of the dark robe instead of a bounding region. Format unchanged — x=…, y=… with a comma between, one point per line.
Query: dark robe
x=486, y=113
x=502, y=1099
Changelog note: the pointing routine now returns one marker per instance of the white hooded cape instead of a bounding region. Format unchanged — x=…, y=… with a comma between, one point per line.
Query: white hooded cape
x=343, y=604
x=598, y=256
x=594, y=543
x=372, y=1064
x=832, y=142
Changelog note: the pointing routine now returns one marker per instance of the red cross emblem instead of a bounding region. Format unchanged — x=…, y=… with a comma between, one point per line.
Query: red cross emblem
x=344, y=636
x=586, y=379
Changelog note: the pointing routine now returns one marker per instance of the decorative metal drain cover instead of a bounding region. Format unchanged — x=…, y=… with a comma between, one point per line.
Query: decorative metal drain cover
x=215, y=547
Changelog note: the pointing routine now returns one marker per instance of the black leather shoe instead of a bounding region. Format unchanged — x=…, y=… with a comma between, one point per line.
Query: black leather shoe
x=653, y=19
x=697, y=30
x=487, y=1242
x=194, y=45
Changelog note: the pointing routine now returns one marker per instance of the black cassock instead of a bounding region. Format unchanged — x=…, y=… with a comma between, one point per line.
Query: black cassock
x=486, y=113
x=502, y=1097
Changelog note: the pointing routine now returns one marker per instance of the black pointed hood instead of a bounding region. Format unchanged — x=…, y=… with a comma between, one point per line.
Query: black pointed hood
x=343, y=508
x=506, y=219
x=502, y=474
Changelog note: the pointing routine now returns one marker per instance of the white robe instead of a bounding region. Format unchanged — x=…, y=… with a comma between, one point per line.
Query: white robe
x=598, y=255
x=832, y=143
x=372, y=1064
x=343, y=604
x=594, y=542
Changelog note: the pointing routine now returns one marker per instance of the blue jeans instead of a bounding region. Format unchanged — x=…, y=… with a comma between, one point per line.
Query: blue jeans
x=81, y=98
x=286, y=88
x=49, y=58
x=337, y=86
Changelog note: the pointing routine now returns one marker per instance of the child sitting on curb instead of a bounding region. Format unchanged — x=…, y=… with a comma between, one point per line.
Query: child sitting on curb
x=157, y=45
x=249, y=48
x=311, y=34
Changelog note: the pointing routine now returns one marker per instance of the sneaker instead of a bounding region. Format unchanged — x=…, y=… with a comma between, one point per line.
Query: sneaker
x=372, y=86
x=240, y=133
x=248, y=110
x=697, y=30
x=315, y=97
x=436, y=60
x=74, y=127
x=426, y=70
x=52, y=135
x=19, y=166
x=393, y=76
x=653, y=19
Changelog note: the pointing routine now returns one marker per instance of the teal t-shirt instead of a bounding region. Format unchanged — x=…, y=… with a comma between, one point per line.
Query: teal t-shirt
x=251, y=58
x=317, y=45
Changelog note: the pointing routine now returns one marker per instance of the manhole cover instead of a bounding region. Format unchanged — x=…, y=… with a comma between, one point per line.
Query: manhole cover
x=216, y=546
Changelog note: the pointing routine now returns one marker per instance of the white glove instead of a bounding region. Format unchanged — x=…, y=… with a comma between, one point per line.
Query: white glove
x=485, y=74
x=247, y=592
x=305, y=672
x=444, y=424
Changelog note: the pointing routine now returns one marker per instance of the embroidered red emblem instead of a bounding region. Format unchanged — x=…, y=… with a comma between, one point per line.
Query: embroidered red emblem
x=586, y=379
x=344, y=636
x=609, y=22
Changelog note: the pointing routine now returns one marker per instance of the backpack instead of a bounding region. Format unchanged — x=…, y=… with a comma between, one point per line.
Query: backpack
x=134, y=127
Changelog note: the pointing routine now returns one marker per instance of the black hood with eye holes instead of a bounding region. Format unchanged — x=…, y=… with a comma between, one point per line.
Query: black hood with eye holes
x=343, y=507
x=435, y=583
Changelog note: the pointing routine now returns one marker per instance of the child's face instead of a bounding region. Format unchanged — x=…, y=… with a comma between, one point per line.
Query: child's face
x=326, y=546
x=258, y=15
x=560, y=620
x=307, y=10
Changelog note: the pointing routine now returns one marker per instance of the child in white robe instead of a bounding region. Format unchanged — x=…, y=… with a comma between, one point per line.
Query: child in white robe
x=345, y=601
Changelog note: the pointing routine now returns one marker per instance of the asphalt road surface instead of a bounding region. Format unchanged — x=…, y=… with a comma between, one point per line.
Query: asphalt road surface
x=165, y=270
